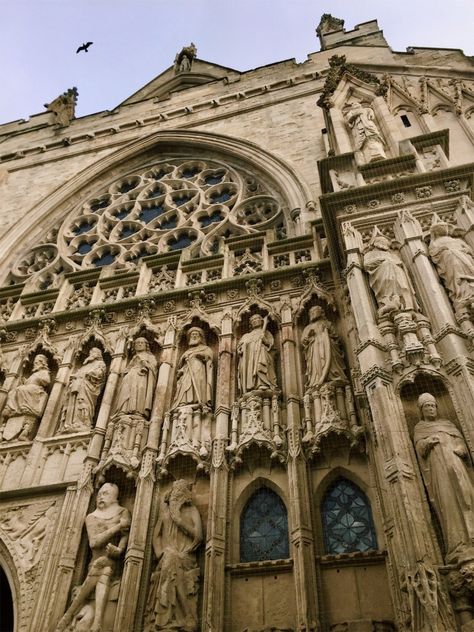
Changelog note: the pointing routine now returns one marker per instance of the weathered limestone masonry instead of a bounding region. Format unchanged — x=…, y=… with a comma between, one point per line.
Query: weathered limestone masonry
x=237, y=333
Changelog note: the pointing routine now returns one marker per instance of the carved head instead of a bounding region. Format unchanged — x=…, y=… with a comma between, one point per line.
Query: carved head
x=315, y=312
x=439, y=228
x=95, y=353
x=467, y=572
x=195, y=336
x=141, y=344
x=107, y=495
x=180, y=492
x=40, y=362
x=428, y=407
x=256, y=321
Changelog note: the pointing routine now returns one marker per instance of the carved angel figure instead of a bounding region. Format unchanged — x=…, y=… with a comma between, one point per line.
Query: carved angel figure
x=256, y=369
x=172, y=600
x=26, y=402
x=365, y=133
x=387, y=276
x=84, y=389
x=107, y=530
x=195, y=372
x=443, y=457
x=324, y=361
x=454, y=261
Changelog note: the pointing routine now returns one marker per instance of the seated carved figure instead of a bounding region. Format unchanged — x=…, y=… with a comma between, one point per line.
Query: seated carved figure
x=26, y=402
x=107, y=530
x=172, y=600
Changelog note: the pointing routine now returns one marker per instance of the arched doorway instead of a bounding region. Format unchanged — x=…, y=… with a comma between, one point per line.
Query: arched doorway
x=6, y=604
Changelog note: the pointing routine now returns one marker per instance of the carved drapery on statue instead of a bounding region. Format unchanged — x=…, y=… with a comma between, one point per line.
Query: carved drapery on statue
x=256, y=413
x=83, y=390
x=187, y=426
x=134, y=399
x=454, y=261
x=172, y=600
x=93, y=604
x=366, y=135
x=443, y=458
x=328, y=400
x=26, y=402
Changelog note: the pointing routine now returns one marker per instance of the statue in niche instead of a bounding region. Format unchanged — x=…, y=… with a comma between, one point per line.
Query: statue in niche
x=443, y=457
x=135, y=394
x=107, y=530
x=454, y=261
x=84, y=389
x=26, y=402
x=365, y=133
x=324, y=361
x=195, y=372
x=256, y=370
x=387, y=276
x=172, y=600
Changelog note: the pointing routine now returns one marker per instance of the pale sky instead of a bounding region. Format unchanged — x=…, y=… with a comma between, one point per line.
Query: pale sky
x=135, y=40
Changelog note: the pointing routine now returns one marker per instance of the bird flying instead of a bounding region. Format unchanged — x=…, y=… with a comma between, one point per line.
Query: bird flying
x=84, y=47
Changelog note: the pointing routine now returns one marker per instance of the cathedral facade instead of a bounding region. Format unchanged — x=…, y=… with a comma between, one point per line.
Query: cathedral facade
x=237, y=334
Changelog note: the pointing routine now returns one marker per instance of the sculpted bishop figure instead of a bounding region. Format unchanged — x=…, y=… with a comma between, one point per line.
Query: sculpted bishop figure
x=107, y=530
x=443, y=457
x=195, y=372
x=387, y=276
x=135, y=395
x=324, y=361
x=256, y=369
x=172, y=600
x=365, y=133
x=454, y=261
x=84, y=389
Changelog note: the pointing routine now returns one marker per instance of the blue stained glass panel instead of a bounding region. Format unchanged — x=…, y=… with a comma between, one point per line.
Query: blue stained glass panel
x=264, y=528
x=104, y=260
x=347, y=519
x=150, y=212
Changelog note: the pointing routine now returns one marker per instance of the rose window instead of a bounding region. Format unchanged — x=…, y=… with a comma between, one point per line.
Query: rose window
x=169, y=206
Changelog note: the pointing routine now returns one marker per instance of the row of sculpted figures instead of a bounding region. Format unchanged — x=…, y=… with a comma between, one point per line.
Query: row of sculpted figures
x=120, y=386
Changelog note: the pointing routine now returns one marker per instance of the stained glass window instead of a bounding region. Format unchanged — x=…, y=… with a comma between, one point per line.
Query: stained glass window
x=347, y=519
x=264, y=528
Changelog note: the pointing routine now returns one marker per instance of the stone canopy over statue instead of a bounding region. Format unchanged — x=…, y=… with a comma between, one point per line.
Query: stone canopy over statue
x=444, y=458
x=256, y=371
x=172, y=600
x=26, y=402
x=83, y=390
x=387, y=276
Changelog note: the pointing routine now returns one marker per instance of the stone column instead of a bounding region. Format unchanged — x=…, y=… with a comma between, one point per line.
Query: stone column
x=411, y=541
x=300, y=501
x=134, y=558
x=80, y=504
x=213, y=609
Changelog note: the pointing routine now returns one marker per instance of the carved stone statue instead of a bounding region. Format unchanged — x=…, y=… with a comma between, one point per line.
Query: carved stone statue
x=443, y=457
x=135, y=394
x=63, y=107
x=454, y=261
x=256, y=369
x=26, y=402
x=387, y=276
x=184, y=59
x=172, y=600
x=84, y=389
x=324, y=361
x=195, y=372
x=365, y=133
x=107, y=530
